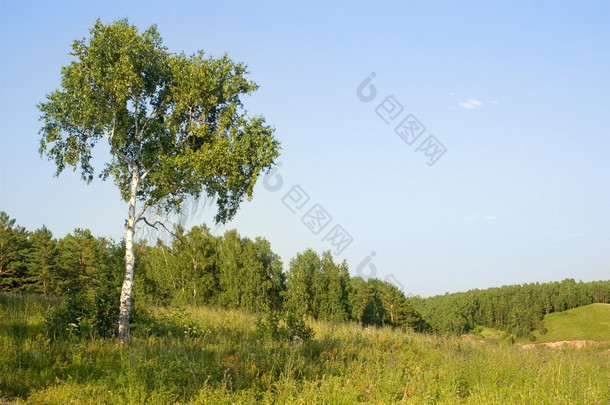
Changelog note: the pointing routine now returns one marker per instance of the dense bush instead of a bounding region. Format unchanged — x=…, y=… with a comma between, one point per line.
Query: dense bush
x=84, y=314
x=284, y=325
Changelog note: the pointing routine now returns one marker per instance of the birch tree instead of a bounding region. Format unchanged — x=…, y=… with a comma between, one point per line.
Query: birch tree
x=175, y=126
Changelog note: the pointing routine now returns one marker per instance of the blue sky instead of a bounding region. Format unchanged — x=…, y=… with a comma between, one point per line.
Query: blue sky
x=516, y=93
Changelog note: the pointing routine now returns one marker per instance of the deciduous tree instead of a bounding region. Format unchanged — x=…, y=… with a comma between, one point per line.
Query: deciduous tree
x=175, y=126
x=300, y=294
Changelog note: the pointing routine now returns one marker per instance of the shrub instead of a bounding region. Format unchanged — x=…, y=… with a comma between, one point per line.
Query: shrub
x=84, y=314
x=278, y=325
x=71, y=318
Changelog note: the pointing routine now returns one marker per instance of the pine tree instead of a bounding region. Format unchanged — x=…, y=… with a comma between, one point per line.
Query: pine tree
x=82, y=261
x=42, y=275
x=14, y=251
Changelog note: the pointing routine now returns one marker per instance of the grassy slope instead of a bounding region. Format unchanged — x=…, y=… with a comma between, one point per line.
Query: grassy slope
x=591, y=322
x=212, y=356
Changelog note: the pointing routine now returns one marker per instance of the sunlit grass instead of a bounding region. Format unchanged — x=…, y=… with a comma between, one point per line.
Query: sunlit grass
x=591, y=322
x=212, y=356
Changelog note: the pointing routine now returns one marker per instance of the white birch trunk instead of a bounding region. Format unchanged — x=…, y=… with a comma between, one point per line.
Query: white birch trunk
x=130, y=224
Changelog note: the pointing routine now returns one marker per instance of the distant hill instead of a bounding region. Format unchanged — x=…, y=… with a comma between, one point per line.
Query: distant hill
x=590, y=322
x=515, y=309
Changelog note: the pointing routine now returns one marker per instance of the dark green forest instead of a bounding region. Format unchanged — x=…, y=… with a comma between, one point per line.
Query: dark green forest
x=231, y=271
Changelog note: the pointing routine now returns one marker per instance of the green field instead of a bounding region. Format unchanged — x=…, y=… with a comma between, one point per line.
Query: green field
x=204, y=355
x=591, y=322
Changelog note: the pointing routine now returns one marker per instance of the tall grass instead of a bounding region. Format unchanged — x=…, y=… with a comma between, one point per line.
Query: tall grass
x=213, y=356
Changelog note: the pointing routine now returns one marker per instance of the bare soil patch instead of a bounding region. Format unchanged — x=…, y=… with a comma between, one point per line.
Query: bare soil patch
x=562, y=344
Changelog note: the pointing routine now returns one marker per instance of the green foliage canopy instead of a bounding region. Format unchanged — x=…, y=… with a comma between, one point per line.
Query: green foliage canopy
x=176, y=122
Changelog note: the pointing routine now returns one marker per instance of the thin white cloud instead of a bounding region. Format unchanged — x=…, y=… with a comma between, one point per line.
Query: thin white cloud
x=563, y=234
x=470, y=104
x=481, y=218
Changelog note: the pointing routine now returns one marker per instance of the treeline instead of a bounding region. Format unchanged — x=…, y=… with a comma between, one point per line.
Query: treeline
x=517, y=309
x=231, y=271
x=195, y=268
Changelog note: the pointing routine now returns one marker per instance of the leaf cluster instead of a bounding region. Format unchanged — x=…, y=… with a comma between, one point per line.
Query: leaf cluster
x=173, y=122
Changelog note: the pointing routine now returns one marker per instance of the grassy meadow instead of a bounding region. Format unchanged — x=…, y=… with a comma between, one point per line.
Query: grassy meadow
x=212, y=356
x=590, y=322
